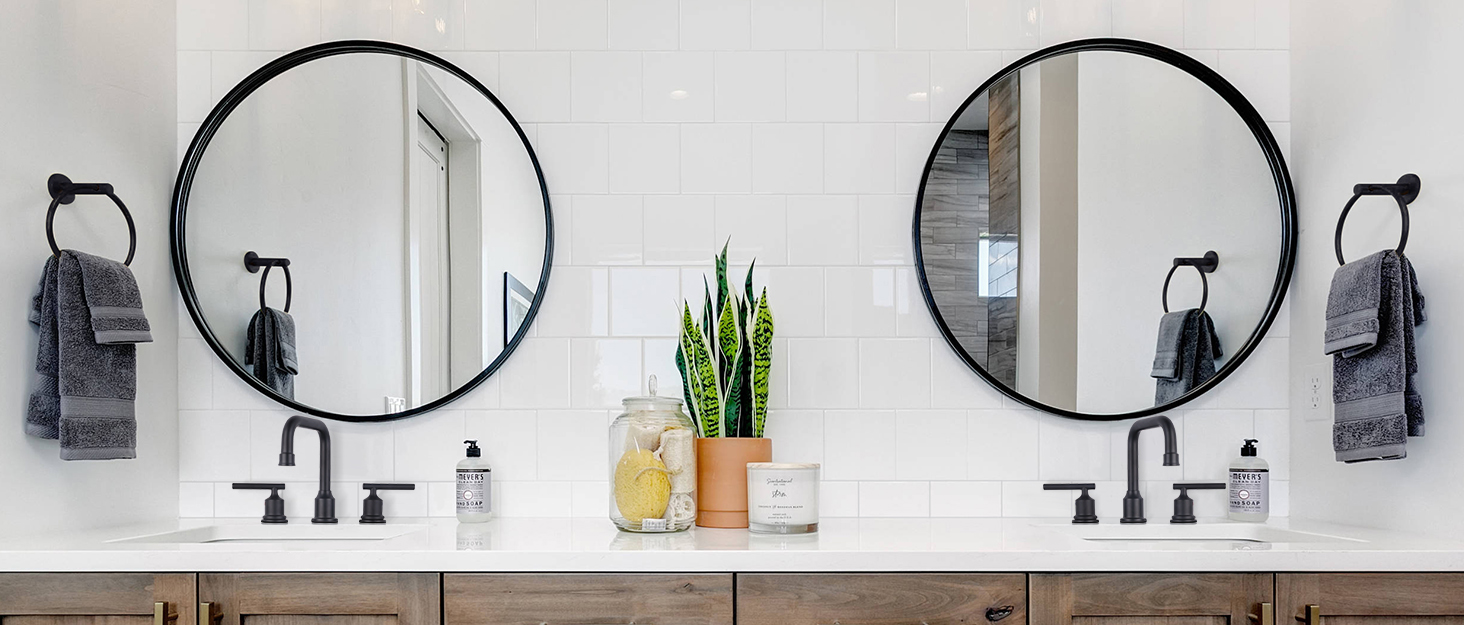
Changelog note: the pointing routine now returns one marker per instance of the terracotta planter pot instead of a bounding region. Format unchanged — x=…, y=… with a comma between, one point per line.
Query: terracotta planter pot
x=721, y=478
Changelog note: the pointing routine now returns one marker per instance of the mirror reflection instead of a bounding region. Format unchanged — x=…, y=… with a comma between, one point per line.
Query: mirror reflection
x=396, y=229
x=1056, y=207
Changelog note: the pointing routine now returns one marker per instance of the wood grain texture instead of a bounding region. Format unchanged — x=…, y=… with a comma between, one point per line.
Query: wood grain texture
x=1150, y=620
x=76, y=619
x=587, y=599
x=410, y=598
x=103, y=595
x=1061, y=599
x=878, y=599
x=1387, y=597
x=320, y=619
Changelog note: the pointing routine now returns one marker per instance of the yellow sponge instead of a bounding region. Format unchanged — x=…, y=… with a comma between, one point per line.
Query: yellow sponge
x=642, y=488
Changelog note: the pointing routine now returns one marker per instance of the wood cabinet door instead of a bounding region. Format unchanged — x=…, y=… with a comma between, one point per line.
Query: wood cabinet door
x=587, y=599
x=321, y=598
x=1370, y=599
x=1151, y=598
x=97, y=599
x=881, y=599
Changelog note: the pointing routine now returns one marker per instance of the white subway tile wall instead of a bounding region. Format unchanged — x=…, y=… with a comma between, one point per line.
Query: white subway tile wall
x=799, y=128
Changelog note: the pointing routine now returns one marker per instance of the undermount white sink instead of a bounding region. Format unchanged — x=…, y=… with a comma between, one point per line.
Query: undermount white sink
x=261, y=533
x=1199, y=532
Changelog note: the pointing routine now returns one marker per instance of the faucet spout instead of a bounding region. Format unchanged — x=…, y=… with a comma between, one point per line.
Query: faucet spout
x=324, y=500
x=1133, y=502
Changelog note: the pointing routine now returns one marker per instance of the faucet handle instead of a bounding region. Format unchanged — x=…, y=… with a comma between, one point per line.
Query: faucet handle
x=1184, y=507
x=1085, y=507
x=372, y=508
x=274, y=505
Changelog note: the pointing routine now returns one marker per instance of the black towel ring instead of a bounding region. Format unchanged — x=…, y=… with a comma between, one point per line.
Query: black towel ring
x=64, y=191
x=1404, y=192
x=253, y=262
x=1203, y=264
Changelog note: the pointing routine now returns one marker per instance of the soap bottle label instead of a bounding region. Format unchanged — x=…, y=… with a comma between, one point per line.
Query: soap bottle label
x=473, y=494
x=1250, y=490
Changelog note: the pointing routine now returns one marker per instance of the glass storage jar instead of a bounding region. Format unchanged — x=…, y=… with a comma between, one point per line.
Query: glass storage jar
x=653, y=465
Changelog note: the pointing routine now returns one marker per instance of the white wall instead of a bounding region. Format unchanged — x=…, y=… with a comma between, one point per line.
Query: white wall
x=798, y=128
x=88, y=91
x=1166, y=168
x=1351, y=129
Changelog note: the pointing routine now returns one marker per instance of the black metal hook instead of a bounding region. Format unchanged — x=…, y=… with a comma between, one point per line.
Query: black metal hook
x=1403, y=192
x=253, y=262
x=1204, y=264
x=64, y=191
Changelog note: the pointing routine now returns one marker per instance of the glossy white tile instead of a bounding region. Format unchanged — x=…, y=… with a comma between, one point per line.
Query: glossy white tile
x=678, y=86
x=500, y=25
x=1003, y=24
x=607, y=230
x=1002, y=444
x=755, y=226
x=799, y=435
x=573, y=25
x=1219, y=24
x=715, y=24
x=510, y=442
x=858, y=445
x=645, y=301
x=1159, y=21
x=1066, y=20
x=931, y=24
x=537, y=375
x=823, y=373
x=787, y=24
x=894, y=86
x=428, y=447
x=1212, y=438
x=603, y=372
x=1072, y=450
x=645, y=158
x=716, y=158
x=605, y=86
x=860, y=301
x=823, y=230
x=930, y=444
x=572, y=445
x=576, y=304
x=283, y=24
x=679, y=229
x=884, y=229
x=894, y=373
x=644, y=24
x=859, y=158
x=429, y=24
x=823, y=86
x=213, y=24
x=218, y=446
x=894, y=499
x=536, y=87
x=859, y=24
x=750, y=87
x=965, y=499
x=787, y=158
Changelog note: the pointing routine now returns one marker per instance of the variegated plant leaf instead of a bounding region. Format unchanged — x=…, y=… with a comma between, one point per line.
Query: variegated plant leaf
x=702, y=377
x=686, y=393
x=722, y=277
x=762, y=363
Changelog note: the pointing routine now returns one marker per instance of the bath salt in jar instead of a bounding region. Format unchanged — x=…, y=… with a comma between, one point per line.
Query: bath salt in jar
x=652, y=465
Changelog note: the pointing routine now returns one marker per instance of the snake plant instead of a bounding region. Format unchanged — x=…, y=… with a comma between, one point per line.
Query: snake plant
x=725, y=357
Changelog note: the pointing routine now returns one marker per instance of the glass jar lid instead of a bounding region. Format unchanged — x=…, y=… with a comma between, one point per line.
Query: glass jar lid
x=652, y=402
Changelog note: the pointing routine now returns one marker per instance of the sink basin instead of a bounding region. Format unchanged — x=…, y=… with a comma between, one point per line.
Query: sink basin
x=260, y=533
x=1200, y=532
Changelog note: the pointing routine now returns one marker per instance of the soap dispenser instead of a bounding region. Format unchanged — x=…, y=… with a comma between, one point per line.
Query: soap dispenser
x=1250, y=486
x=474, y=486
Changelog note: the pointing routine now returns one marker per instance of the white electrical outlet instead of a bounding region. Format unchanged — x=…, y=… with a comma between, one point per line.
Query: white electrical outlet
x=396, y=404
x=1317, y=400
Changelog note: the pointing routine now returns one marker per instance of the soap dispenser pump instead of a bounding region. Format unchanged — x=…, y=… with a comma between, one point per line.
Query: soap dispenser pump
x=474, y=486
x=1250, y=486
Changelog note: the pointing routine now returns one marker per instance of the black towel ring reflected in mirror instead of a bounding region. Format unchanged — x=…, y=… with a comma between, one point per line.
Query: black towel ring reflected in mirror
x=1203, y=264
x=253, y=262
x=64, y=191
x=1404, y=192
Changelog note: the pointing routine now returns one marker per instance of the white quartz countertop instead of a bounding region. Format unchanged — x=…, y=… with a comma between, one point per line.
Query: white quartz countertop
x=594, y=545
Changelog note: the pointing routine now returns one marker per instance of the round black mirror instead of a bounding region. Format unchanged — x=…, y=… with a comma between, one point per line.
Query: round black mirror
x=1094, y=192
x=361, y=231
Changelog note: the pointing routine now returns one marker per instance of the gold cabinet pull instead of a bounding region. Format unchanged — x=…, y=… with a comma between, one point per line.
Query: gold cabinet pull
x=1311, y=615
x=162, y=615
x=1267, y=614
x=206, y=613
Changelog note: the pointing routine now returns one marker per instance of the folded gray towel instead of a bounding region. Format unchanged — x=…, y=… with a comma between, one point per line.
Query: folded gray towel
x=1372, y=309
x=1171, y=338
x=88, y=311
x=270, y=350
x=1195, y=354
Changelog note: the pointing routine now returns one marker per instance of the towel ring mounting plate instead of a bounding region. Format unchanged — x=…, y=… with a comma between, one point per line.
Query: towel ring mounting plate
x=64, y=191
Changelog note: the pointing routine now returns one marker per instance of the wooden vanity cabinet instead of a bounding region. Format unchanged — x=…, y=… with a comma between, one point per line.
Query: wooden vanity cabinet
x=1370, y=599
x=881, y=599
x=1150, y=598
x=320, y=598
x=97, y=599
x=587, y=599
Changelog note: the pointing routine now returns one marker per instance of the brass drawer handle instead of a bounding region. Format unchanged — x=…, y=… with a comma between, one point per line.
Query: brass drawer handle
x=997, y=614
x=162, y=615
x=1267, y=614
x=206, y=615
x=1311, y=615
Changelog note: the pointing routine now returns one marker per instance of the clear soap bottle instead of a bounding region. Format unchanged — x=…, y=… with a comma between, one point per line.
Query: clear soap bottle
x=1250, y=486
x=474, y=486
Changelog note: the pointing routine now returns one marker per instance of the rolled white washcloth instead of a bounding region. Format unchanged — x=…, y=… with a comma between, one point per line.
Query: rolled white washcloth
x=644, y=435
x=681, y=508
x=678, y=453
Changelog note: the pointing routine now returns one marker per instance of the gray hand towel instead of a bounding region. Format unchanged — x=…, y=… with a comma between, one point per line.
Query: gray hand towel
x=1171, y=338
x=1196, y=352
x=88, y=311
x=1372, y=309
x=270, y=350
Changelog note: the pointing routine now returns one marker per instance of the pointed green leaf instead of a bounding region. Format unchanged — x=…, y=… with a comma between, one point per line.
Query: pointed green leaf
x=762, y=363
x=722, y=277
x=701, y=378
x=686, y=394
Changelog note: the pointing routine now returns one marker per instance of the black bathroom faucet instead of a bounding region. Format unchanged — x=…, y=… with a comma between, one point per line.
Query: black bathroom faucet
x=324, y=501
x=1133, y=502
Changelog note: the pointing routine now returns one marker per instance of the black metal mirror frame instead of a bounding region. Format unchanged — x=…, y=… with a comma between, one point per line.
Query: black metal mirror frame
x=1269, y=147
x=210, y=127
